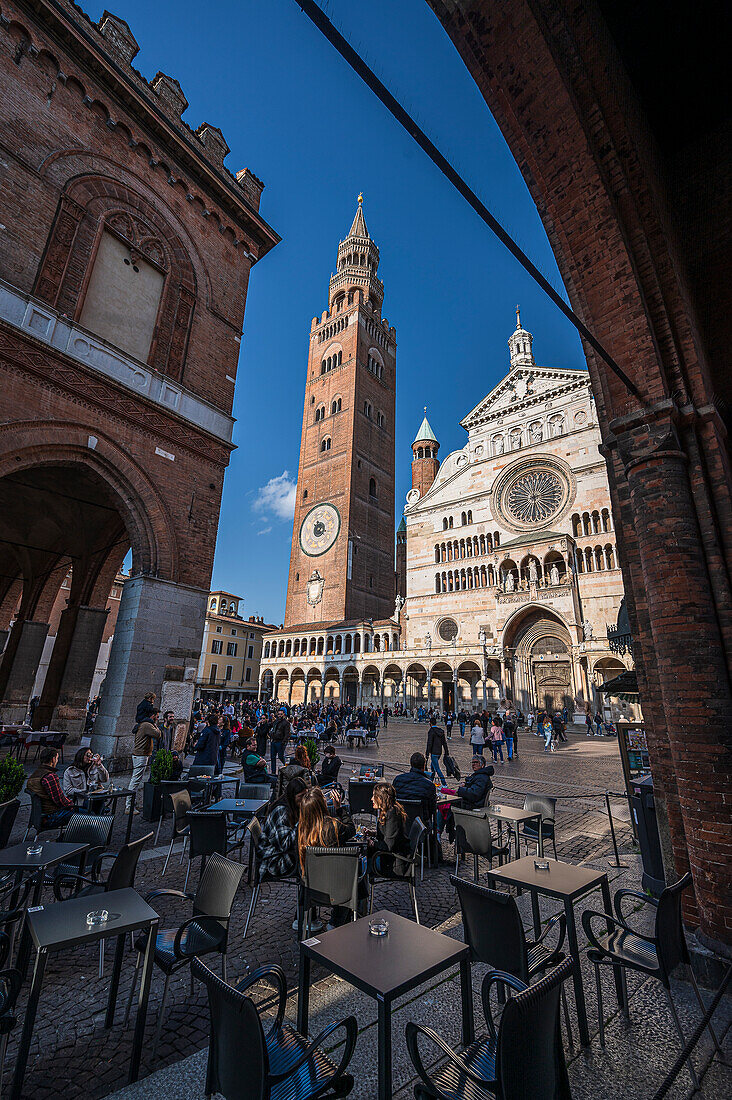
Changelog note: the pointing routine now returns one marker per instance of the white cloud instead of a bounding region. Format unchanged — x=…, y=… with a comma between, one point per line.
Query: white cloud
x=264, y=531
x=276, y=499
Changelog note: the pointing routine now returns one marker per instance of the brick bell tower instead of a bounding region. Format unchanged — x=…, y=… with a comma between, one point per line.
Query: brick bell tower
x=342, y=557
x=425, y=462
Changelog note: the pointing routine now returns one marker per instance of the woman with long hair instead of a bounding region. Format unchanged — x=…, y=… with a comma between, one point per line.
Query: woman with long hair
x=392, y=839
x=277, y=846
x=87, y=773
x=317, y=829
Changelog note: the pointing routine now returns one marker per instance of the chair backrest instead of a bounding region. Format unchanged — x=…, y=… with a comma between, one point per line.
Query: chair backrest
x=546, y=806
x=669, y=934
x=492, y=928
x=201, y=769
x=181, y=803
x=236, y=1040
x=414, y=808
x=417, y=831
x=122, y=872
x=92, y=829
x=332, y=874
x=473, y=832
x=36, y=813
x=217, y=888
x=254, y=790
x=359, y=797
x=529, y=1052
x=208, y=833
x=169, y=788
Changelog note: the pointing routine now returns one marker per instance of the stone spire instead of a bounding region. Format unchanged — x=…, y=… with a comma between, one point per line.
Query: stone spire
x=425, y=462
x=357, y=265
x=519, y=345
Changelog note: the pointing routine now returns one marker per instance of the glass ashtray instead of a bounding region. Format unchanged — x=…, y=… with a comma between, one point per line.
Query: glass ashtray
x=497, y=809
x=541, y=864
x=97, y=916
x=34, y=849
x=378, y=927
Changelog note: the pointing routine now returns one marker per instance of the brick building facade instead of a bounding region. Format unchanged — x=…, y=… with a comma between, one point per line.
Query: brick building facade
x=618, y=118
x=124, y=262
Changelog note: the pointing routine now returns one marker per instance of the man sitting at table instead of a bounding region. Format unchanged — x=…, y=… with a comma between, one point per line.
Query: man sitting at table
x=254, y=766
x=44, y=783
x=478, y=785
x=414, y=784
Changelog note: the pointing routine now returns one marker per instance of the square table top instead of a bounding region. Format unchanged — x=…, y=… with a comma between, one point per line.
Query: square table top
x=510, y=813
x=562, y=880
x=63, y=924
x=385, y=966
x=111, y=792
x=17, y=858
x=237, y=805
x=447, y=798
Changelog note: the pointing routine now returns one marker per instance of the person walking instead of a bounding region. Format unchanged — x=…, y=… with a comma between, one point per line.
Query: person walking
x=147, y=737
x=436, y=746
x=206, y=748
x=449, y=719
x=462, y=720
x=508, y=732
x=497, y=739
x=598, y=724
x=588, y=724
x=477, y=737
x=280, y=734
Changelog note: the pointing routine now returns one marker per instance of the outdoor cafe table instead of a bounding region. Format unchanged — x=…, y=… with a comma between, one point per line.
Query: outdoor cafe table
x=568, y=883
x=385, y=967
x=210, y=782
x=513, y=818
x=17, y=859
x=63, y=925
x=238, y=807
x=113, y=795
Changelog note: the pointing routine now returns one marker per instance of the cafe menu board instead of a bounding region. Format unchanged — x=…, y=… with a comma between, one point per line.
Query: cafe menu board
x=634, y=750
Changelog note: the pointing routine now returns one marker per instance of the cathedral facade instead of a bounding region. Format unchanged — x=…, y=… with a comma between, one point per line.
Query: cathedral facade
x=506, y=563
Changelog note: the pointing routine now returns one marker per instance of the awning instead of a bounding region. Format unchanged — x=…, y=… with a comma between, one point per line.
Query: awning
x=626, y=684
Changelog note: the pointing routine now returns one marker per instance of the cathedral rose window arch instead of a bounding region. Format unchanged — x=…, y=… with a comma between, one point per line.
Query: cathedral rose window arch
x=530, y=495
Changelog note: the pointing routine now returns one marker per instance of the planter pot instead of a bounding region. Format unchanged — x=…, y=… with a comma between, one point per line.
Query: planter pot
x=152, y=801
x=8, y=814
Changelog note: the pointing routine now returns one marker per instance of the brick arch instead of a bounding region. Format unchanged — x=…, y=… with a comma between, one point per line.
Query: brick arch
x=25, y=445
x=89, y=204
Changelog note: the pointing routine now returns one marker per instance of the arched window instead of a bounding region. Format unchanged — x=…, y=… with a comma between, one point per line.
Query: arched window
x=444, y=523
x=449, y=523
x=304, y=494
x=437, y=583
x=606, y=524
x=367, y=409
x=335, y=407
x=213, y=605
x=325, y=443
x=320, y=413
x=463, y=518
x=437, y=554
x=576, y=527
x=470, y=517
x=266, y=650
x=372, y=487
x=496, y=539
x=380, y=420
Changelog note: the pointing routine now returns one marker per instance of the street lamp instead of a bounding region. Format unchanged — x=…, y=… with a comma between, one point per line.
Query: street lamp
x=482, y=638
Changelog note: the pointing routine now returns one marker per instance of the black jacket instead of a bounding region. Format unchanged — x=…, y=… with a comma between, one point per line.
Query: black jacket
x=436, y=741
x=330, y=768
x=206, y=748
x=477, y=787
x=392, y=837
x=280, y=731
x=414, y=785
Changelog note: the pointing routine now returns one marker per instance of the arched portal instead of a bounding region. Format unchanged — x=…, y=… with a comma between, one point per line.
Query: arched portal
x=538, y=647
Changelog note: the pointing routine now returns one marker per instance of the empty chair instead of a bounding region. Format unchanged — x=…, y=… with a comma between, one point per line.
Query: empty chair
x=473, y=836
x=208, y=834
x=330, y=878
x=359, y=797
x=204, y=932
x=36, y=817
x=246, y=1062
x=10, y=983
x=181, y=803
x=254, y=829
x=522, y=1058
x=92, y=829
x=254, y=790
x=495, y=934
x=167, y=788
x=380, y=871
x=657, y=955
x=547, y=807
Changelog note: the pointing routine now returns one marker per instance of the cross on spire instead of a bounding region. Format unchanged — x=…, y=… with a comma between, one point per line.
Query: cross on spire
x=518, y=317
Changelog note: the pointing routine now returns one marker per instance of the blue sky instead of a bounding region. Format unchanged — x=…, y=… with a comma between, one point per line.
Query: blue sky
x=296, y=115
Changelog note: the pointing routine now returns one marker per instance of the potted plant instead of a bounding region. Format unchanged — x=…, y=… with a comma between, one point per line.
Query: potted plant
x=311, y=746
x=152, y=793
x=12, y=778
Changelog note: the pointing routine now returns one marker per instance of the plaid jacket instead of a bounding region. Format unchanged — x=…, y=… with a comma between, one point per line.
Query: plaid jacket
x=52, y=789
x=277, y=847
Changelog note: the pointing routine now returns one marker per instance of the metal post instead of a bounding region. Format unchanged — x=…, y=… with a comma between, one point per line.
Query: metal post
x=617, y=862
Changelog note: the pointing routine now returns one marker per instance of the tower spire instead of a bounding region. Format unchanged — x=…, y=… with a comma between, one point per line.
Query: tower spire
x=357, y=266
x=358, y=225
x=519, y=345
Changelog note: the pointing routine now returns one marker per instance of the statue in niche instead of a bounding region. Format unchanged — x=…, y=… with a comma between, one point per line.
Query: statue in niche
x=587, y=631
x=398, y=605
x=498, y=445
x=533, y=575
x=554, y=573
x=510, y=583
x=535, y=432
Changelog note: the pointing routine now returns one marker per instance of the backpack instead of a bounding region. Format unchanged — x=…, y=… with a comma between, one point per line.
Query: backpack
x=451, y=767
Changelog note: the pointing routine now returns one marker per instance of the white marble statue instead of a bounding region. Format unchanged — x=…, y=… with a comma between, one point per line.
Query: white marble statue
x=510, y=583
x=554, y=573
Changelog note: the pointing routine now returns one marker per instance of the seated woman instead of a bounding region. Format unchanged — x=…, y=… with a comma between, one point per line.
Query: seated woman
x=317, y=829
x=330, y=767
x=392, y=839
x=277, y=846
x=300, y=768
x=87, y=773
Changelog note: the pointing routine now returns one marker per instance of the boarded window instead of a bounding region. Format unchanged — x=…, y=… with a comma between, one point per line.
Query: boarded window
x=122, y=298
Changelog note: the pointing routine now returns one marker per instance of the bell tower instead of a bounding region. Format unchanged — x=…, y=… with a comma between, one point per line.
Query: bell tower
x=342, y=557
x=425, y=462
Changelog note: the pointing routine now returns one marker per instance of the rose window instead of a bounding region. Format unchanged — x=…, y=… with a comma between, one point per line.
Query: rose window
x=534, y=497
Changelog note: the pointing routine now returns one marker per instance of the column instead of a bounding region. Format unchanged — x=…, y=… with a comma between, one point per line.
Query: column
x=429, y=690
x=159, y=624
x=360, y=691
x=289, y=691
x=18, y=668
x=71, y=670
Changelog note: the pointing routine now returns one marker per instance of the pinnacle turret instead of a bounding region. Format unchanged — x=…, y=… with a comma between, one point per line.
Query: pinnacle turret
x=519, y=345
x=357, y=265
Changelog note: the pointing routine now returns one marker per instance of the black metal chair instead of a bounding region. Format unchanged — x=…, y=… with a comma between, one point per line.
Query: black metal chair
x=494, y=932
x=92, y=829
x=258, y=877
x=474, y=836
x=10, y=983
x=201, y=769
x=417, y=808
x=203, y=933
x=168, y=787
x=523, y=1058
x=208, y=833
x=380, y=871
x=245, y=1062
x=547, y=807
x=254, y=790
x=35, y=821
x=181, y=804
x=359, y=797
x=330, y=878
x=657, y=955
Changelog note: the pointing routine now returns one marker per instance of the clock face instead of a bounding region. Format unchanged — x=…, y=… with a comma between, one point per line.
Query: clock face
x=320, y=529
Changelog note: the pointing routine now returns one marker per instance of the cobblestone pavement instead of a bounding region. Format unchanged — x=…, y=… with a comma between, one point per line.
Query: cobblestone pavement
x=72, y=1054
